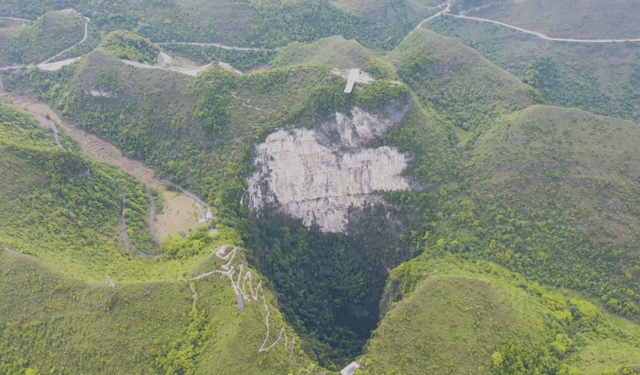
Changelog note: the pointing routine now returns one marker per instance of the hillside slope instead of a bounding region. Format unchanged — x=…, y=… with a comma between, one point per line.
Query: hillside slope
x=445, y=158
x=604, y=83
x=457, y=80
x=336, y=52
x=37, y=42
x=245, y=23
x=70, y=284
x=456, y=317
x=588, y=19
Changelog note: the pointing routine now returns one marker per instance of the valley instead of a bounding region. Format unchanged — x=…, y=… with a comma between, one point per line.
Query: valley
x=188, y=189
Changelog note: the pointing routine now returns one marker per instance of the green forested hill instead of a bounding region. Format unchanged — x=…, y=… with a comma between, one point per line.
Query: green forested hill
x=70, y=286
x=265, y=24
x=448, y=316
x=37, y=42
x=511, y=250
x=458, y=81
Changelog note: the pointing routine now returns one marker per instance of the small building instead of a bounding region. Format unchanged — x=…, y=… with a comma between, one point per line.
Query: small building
x=353, y=77
x=351, y=369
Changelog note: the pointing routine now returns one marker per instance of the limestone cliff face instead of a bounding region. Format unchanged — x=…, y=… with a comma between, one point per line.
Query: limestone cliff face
x=316, y=175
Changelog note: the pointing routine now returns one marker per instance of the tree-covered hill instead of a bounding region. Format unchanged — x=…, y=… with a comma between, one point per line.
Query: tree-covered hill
x=70, y=286
x=509, y=248
x=37, y=42
x=249, y=23
x=457, y=317
x=458, y=81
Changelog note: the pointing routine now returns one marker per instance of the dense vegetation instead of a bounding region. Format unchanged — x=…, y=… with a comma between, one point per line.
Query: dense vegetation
x=35, y=43
x=598, y=84
x=242, y=60
x=457, y=81
x=129, y=46
x=454, y=316
x=501, y=186
x=60, y=247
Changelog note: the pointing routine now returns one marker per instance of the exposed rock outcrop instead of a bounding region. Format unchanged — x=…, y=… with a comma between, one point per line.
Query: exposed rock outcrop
x=316, y=175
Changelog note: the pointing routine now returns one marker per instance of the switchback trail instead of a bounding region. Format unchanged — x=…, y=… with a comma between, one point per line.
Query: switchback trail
x=229, y=269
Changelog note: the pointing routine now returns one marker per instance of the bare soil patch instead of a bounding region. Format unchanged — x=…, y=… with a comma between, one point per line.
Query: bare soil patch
x=91, y=145
x=179, y=214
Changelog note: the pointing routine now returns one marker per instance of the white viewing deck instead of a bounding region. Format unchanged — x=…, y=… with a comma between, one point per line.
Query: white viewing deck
x=353, y=76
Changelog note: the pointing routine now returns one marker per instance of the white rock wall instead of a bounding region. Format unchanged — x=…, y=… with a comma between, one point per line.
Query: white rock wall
x=303, y=173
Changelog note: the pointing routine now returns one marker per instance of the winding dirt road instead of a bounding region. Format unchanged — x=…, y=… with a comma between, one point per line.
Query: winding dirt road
x=86, y=34
x=222, y=46
x=188, y=71
x=53, y=127
x=445, y=12
x=152, y=211
x=16, y=19
x=448, y=6
x=541, y=35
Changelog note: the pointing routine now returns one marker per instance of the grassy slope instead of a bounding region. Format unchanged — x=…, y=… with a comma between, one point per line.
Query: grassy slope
x=457, y=81
x=35, y=43
x=604, y=83
x=334, y=51
x=582, y=19
x=167, y=136
x=246, y=22
x=94, y=328
x=452, y=316
x=58, y=298
x=557, y=190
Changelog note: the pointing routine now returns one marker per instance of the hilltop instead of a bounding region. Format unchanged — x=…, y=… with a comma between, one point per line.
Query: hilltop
x=452, y=214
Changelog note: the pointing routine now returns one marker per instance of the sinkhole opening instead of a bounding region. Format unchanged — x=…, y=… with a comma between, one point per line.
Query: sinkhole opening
x=329, y=286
